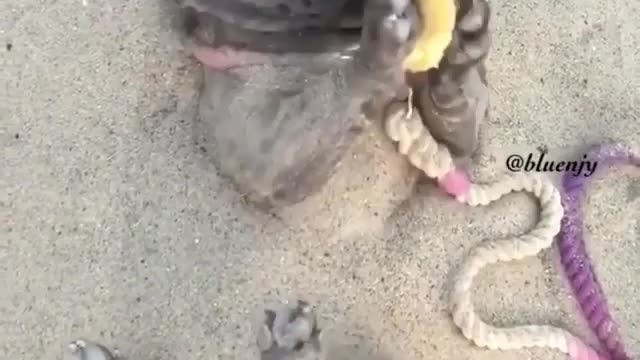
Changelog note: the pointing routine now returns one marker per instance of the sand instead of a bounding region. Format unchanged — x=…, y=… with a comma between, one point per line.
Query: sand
x=115, y=226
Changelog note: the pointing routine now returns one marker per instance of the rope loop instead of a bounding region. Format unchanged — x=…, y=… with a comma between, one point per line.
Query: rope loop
x=424, y=152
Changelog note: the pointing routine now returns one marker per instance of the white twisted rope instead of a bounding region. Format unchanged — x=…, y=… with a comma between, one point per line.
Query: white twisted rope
x=422, y=151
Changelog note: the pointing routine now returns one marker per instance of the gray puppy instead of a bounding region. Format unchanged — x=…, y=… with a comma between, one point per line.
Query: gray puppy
x=287, y=84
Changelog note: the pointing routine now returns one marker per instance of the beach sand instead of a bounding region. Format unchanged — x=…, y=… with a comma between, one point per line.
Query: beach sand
x=114, y=225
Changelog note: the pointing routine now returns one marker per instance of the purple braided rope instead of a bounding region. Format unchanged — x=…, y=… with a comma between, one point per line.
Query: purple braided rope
x=573, y=253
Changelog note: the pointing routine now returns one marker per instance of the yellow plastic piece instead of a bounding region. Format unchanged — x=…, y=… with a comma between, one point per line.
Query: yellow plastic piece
x=439, y=19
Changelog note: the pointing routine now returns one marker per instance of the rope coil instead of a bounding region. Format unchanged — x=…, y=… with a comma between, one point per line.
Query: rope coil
x=414, y=140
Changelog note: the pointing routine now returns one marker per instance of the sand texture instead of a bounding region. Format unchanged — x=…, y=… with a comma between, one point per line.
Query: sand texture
x=115, y=226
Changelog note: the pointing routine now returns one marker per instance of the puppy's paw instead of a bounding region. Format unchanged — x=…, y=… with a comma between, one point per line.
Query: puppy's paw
x=471, y=40
x=288, y=330
x=388, y=35
x=81, y=349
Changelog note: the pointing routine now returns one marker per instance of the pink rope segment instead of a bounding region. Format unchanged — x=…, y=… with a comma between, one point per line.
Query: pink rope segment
x=573, y=253
x=580, y=351
x=456, y=182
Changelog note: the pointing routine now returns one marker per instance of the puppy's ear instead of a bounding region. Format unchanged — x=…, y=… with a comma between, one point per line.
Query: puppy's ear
x=264, y=339
x=270, y=318
x=316, y=340
x=189, y=20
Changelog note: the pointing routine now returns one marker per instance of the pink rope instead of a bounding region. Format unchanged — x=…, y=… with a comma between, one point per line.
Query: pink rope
x=580, y=351
x=573, y=253
x=455, y=182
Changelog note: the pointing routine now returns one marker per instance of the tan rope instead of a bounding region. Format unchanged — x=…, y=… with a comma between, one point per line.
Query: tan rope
x=415, y=141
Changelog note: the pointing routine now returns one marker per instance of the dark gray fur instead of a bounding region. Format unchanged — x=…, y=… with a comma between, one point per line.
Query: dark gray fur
x=279, y=130
x=453, y=100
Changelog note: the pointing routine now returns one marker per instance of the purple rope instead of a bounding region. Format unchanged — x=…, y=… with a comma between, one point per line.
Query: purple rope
x=573, y=253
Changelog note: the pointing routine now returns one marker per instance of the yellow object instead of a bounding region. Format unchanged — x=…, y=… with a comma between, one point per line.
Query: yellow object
x=439, y=20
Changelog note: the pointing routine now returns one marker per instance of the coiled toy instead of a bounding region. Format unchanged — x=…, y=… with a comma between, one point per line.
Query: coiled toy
x=414, y=140
x=573, y=253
